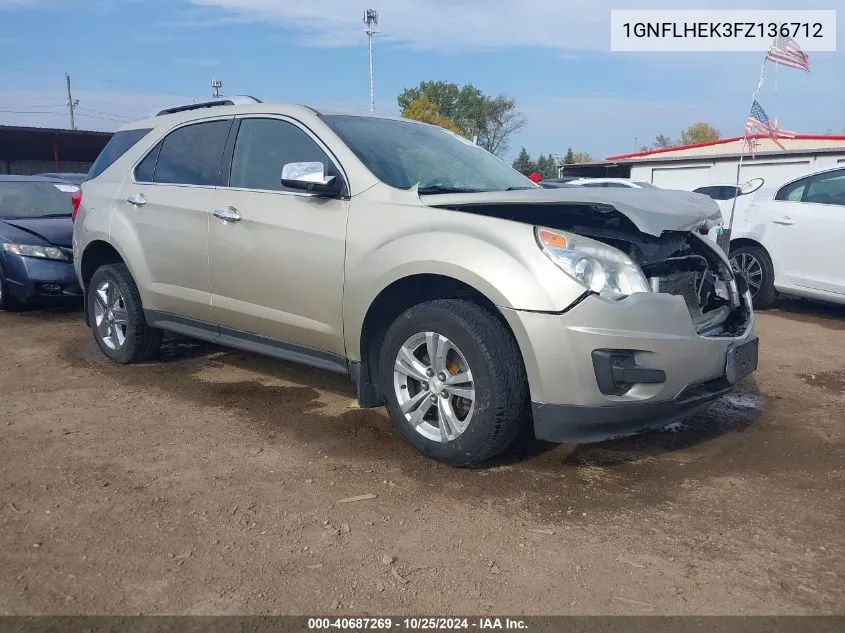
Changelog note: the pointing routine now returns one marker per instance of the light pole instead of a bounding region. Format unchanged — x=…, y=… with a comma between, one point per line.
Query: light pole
x=216, y=84
x=371, y=20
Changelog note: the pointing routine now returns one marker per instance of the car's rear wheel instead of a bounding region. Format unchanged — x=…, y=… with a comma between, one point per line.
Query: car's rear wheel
x=117, y=316
x=453, y=381
x=755, y=266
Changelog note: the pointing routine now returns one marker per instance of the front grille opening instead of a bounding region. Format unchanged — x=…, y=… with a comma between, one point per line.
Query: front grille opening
x=713, y=297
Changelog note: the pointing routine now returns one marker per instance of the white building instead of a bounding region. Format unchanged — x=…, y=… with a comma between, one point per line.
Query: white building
x=714, y=163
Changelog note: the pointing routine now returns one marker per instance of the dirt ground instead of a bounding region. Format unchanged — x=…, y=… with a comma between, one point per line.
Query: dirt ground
x=211, y=482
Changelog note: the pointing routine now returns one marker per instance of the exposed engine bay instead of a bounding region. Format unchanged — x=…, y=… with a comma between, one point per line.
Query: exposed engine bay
x=681, y=263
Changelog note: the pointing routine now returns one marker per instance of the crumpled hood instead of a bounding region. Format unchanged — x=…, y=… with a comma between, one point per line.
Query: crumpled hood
x=55, y=231
x=652, y=211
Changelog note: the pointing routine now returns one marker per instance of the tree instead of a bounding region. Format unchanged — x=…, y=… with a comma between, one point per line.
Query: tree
x=523, y=163
x=662, y=142
x=492, y=119
x=500, y=120
x=546, y=167
x=424, y=110
x=569, y=158
x=700, y=132
x=582, y=157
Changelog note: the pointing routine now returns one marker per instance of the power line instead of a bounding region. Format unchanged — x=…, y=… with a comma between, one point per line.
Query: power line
x=35, y=105
x=103, y=118
x=112, y=114
x=30, y=112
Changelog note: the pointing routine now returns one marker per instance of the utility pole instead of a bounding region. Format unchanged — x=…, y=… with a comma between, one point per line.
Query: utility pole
x=217, y=85
x=71, y=104
x=371, y=20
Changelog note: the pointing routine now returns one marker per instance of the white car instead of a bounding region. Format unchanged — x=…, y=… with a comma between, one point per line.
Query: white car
x=612, y=182
x=789, y=239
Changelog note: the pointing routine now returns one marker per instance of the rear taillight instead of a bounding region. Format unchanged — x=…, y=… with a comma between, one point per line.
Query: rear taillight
x=76, y=200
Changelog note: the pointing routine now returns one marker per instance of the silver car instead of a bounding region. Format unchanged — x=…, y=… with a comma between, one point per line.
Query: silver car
x=454, y=291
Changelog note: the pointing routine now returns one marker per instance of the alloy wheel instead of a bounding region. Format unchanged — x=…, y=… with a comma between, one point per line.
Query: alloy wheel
x=749, y=267
x=434, y=386
x=110, y=319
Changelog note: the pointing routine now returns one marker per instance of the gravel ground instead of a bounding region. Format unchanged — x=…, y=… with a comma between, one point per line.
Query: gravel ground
x=213, y=482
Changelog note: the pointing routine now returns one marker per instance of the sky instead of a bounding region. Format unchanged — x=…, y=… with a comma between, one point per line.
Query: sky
x=128, y=57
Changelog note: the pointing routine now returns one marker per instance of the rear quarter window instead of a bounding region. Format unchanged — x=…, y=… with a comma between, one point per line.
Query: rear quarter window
x=120, y=143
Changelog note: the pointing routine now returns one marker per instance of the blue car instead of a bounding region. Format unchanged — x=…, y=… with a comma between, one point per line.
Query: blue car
x=36, y=253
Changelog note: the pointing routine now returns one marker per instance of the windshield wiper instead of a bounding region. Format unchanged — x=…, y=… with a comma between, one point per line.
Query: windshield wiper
x=519, y=188
x=52, y=215
x=444, y=189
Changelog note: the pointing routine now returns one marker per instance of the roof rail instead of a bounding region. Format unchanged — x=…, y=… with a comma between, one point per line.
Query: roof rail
x=212, y=103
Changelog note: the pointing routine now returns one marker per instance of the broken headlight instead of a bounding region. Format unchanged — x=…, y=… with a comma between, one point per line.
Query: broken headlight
x=601, y=268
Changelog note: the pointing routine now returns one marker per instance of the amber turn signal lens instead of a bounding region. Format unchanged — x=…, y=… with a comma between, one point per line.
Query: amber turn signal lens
x=552, y=240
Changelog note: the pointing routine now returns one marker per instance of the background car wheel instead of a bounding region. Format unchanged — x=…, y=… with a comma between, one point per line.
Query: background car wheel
x=755, y=265
x=117, y=316
x=454, y=382
x=7, y=301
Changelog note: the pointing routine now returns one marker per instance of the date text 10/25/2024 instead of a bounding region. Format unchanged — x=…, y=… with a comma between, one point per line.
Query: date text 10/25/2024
x=416, y=624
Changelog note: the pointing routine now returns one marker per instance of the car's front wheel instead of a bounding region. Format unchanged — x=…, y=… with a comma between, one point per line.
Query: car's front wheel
x=117, y=316
x=453, y=381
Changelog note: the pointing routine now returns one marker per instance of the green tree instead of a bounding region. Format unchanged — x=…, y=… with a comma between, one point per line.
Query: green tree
x=424, y=110
x=700, y=132
x=493, y=120
x=523, y=163
x=546, y=167
x=662, y=142
x=569, y=158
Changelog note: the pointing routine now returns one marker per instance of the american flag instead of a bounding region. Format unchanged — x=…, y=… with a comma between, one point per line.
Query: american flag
x=786, y=52
x=758, y=123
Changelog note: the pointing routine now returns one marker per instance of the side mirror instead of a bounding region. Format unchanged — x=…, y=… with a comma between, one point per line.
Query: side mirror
x=751, y=186
x=310, y=177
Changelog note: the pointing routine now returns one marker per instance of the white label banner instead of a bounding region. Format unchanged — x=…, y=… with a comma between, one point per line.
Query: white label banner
x=725, y=30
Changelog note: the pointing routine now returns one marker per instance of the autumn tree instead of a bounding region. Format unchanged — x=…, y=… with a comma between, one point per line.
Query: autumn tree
x=426, y=111
x=696, y=133
x=493, y=120
x=581, y=157
x=700, y=132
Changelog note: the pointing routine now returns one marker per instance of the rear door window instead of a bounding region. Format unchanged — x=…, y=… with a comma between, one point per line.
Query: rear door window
x=827, y=188
x=191, y=155
x=146, y=168
x=120, y=143
x=793, y=192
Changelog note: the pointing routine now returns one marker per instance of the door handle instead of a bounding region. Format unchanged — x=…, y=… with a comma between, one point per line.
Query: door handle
x=786, y=221
x=137, y=200
x=229, y=214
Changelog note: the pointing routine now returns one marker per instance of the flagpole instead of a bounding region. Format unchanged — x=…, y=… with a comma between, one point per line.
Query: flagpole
x=726, y=235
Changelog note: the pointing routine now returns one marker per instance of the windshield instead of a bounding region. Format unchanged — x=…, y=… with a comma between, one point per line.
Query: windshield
x=21, y=199
x=645, y=185
x=403, y=154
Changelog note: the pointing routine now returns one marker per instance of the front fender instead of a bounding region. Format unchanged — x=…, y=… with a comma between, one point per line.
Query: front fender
x=511, y=272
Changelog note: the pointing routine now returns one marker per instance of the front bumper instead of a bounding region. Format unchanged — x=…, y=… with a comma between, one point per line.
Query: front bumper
x=33, y=279
x=653, y=334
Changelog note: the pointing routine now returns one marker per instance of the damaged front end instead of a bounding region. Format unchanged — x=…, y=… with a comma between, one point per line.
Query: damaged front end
x=674, y=255
x=686, y=265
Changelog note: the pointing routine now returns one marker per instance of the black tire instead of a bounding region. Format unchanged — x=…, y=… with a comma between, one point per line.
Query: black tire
x=8, y=303
x=141, y=341
x=766, y=294
x=501, y=405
